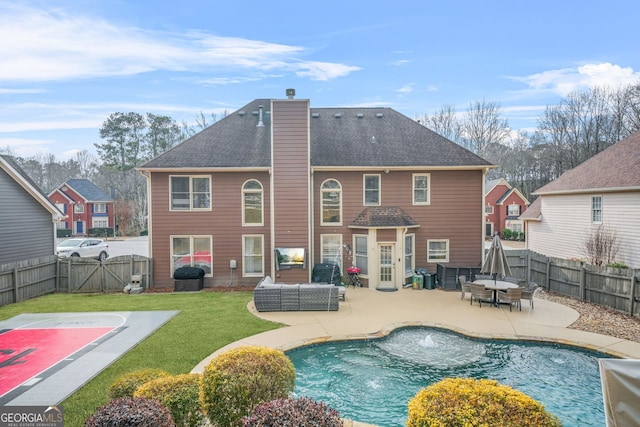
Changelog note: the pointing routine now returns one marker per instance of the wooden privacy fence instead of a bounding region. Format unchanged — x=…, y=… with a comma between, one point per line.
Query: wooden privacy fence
x=616, y=288
x=40, y=276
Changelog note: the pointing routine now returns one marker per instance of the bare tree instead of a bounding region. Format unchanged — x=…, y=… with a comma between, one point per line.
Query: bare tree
x=445, y=123
x=600, y=245
x=483, y=125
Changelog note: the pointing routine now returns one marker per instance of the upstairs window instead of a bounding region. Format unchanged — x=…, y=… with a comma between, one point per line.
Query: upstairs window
x=513, y=210
x=596, y=209
x=78, y=208
x=190, y=193
x=421, y=189
x=331, y=203
x=488, y=209
x=371, y=190
x=100, y=208
x=252, y=209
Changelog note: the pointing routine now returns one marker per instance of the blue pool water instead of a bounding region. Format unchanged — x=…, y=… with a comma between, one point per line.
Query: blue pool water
x=371, y=381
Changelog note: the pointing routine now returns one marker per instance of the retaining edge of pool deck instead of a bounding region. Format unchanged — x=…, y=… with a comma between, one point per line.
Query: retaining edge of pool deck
x=367, y=313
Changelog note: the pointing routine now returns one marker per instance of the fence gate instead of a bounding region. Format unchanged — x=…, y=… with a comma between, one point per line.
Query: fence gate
x=83, y=275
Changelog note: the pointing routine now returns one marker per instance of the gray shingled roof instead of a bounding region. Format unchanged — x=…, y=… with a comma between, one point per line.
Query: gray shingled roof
x=367, y=137
x=533, y=212
x=616, y=167
x=383, y=216
x=88, y=190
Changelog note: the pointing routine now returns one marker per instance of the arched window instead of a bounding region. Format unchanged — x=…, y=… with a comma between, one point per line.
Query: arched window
x=331, y=202
x=252, y=210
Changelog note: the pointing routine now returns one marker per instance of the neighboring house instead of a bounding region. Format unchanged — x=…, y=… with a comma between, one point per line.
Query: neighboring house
x=27, y=217
x=503, y=204
x=85, y=206
x=604, y=190
x=277, y=186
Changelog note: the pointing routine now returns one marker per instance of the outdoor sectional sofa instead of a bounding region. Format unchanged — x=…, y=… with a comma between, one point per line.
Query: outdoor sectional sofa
x=270, y=296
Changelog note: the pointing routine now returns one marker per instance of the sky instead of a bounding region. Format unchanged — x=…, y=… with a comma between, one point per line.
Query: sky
x=66, y=65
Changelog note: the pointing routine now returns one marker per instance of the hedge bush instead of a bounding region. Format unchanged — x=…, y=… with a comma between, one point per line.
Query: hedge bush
x=302, y=412
x=178, y=393
x=472, y=403
x=239, y=379
x=125, y=385
x=131, y=412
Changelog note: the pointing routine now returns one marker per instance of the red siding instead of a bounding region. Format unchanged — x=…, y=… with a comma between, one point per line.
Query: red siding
x=290, y=161
x=223, y=223
x=455, y=211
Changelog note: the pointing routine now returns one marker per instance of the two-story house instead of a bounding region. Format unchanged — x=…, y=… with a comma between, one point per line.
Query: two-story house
x=27, y=217
x=85, y=205
x=603, y=191
x=503, y=206
x=278, y=186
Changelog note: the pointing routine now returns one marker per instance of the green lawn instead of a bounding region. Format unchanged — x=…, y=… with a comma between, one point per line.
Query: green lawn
x=207, y=322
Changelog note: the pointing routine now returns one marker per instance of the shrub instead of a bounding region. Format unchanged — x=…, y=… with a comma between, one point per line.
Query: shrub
x=125, y=385
x=617, y=264
x=303, y=412
x=239, y=379
x=131, y=412
x=470, y=402
x=179, y=394
x=507, y=234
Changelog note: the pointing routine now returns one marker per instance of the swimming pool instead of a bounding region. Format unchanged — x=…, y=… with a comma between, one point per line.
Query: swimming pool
x=372, y=380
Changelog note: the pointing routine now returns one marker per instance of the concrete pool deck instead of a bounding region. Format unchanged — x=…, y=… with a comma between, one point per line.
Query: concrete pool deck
x=367, y=313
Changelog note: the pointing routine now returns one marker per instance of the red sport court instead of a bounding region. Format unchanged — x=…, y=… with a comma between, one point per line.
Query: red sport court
x=45, y=357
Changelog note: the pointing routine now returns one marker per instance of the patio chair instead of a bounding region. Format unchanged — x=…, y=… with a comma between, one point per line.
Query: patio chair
x=511, y=296
x=528, y=293
x=480, y=293
x=464, y=285
x=484, y=277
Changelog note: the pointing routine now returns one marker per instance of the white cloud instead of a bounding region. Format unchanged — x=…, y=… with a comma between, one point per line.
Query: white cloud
x=39, y=45
x=566, y=80
x=405, y=89
x=4, y=91
x=324, y=70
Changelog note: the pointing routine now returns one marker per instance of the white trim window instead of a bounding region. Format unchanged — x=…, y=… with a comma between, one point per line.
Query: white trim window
x=596, y=209
x=360, y=243
x=513, y=210
x=371, y=190
x=332, y=248
x=100, y=222
x=252, y=255
x=421, y=184
x=409, y=250
x=78, y=208
x=488, y=209
x=252, y=209
x=190, y=193
x=192, y=251
x=331, y=202
x=438, y=250
x=99, y=208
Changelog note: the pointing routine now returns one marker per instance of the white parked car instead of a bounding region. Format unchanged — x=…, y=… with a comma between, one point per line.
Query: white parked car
x=85, y=248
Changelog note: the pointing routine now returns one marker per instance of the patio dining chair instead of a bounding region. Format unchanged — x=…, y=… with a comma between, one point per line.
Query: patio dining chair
x=511, y=296
x=529, y=292
x=480, y=293
x=484, y=277
x=464, y=286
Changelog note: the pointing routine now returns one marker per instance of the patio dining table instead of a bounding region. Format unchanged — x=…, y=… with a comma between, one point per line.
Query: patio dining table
x=495, y=285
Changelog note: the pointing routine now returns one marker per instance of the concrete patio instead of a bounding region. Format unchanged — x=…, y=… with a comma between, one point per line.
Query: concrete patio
x=369, y=313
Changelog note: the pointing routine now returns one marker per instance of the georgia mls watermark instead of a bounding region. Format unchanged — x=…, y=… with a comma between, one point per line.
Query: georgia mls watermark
x=31, y=416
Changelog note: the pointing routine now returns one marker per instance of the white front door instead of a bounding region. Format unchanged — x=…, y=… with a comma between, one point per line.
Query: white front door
x=387, y=267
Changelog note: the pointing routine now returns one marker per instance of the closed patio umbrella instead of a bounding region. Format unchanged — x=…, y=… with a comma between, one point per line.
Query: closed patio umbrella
x=496, y=260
